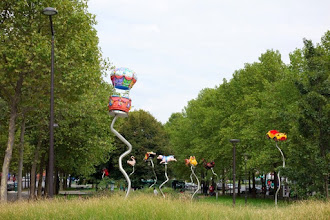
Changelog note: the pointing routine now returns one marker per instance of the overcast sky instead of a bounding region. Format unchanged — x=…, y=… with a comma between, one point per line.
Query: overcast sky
x=179, y=47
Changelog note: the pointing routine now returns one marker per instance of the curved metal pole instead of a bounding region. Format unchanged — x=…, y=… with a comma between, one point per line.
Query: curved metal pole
x=191, y=179
x=123, y=155
x=132, y=172
x=160, y=187
x=198, y=184
x=153, y=169
x=216, y=184
x=278, y=175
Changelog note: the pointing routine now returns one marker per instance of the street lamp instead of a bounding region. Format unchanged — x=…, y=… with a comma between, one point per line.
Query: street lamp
x=234, y=141
x=50, y=12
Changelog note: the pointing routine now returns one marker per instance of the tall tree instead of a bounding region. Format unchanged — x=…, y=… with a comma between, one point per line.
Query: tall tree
x=25, y=58
x=312, y=68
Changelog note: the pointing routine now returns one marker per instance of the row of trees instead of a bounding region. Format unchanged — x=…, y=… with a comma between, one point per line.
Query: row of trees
x=263, y=96
x=82, y=138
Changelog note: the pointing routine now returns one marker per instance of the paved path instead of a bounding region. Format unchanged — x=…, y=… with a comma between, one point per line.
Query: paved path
x=12, y=195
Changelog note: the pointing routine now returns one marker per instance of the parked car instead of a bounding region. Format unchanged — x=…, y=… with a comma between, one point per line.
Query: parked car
x=191, y=186
x=230, y=186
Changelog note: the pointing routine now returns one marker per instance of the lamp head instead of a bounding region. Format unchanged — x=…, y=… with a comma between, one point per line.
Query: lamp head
x=49, y=11
x=234, y=140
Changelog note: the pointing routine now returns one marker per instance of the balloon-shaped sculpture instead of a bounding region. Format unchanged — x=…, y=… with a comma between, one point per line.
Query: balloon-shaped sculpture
x=277, y=136
x=123, y=78
x=119, y=106
x=165, y=160
x=209, y=166
x=193, y=163
x=132, y=162
x=149, y=158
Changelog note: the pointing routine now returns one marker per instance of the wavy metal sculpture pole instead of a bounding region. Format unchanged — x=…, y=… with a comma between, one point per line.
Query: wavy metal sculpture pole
x=153, y=170
x=160, y=187
x=123, y=155
x=132, y=172
x=198, y=184
x=216, y=185
x=278, y=174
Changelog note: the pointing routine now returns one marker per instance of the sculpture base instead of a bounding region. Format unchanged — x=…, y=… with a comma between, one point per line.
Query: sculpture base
x=118, y=113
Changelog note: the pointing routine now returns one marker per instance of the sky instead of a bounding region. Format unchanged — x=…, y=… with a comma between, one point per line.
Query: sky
x=179, y=47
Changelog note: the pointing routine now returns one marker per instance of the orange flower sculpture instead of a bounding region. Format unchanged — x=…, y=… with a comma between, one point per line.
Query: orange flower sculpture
x=276, y=135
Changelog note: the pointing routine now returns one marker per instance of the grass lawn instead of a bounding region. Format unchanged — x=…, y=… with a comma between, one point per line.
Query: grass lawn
x=144, y=205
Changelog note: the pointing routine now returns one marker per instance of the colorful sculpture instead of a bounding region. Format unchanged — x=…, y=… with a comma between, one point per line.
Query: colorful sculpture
x=123, y=78
x=193, y=163
x=119, y=106
x=165, y=160
x=132, y=161
x=105, y=172
x=209, y=166
x=277, y=136
x=149, y=156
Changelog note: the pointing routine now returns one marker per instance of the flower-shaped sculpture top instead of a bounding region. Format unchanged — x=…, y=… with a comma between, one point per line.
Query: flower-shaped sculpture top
x=192, y=161
x=149, y=155
x=271, y=134
x=280, y=137
x=208, y=165
x=123, y=78
x=276, y=135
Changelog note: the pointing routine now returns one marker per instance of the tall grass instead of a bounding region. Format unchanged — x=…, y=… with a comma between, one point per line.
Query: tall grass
x=148, y=206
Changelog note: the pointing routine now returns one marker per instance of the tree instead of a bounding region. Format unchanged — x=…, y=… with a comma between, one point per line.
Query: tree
x=145, y=134
x=311, y=65
x=25, y=58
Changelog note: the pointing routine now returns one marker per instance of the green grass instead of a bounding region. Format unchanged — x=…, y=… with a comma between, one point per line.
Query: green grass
x=144, y=205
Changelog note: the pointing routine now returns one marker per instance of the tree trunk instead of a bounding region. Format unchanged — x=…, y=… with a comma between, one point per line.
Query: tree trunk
x=46, y=182
x=14, y=100
x=20, y=163
x=34, y=168
x=223, y=182
x=254, y=185
x=70, y=181
x=263, y=185
x=61, y=181
x=249, y=182
x=41, y=176
x=65, y=181
x=8, y=154
x=239, y=187
x=57, y=182
x=275, y=183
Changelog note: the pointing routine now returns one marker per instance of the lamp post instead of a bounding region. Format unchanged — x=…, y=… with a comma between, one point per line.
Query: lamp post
x=234, y=141
x=50, y=12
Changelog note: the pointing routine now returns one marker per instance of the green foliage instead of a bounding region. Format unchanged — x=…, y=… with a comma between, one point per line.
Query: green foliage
x=263, y=96
x=82, y=138
x=145, y=134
